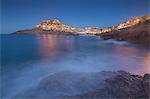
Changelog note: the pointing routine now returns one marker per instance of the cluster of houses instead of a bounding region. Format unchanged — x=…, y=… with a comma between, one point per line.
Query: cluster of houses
x=55, y=25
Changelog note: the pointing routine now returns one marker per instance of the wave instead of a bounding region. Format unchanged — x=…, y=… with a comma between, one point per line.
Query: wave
x=111, y=41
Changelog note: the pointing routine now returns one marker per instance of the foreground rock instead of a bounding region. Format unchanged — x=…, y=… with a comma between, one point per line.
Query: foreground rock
x=123, y=85
x=75, y=85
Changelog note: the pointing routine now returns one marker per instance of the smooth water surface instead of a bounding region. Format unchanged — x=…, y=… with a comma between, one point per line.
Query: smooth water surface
x=26, y=59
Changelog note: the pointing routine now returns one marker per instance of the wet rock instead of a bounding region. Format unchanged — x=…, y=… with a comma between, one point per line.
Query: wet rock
x=84, y=85
x=125, y=85
x=122, y=86
x=146, y=85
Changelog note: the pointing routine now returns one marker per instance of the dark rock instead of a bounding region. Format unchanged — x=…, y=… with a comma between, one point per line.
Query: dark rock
x=125, y=85
x=146, y=85
x=122, y=86
x=76, y=85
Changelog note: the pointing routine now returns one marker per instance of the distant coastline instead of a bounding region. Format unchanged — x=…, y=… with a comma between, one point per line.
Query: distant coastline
x=40, y=31
x=135, y=30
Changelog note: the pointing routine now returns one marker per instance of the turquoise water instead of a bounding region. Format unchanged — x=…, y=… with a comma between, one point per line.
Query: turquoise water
x=26, y=59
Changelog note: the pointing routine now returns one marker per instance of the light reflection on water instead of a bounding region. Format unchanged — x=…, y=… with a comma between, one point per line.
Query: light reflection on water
x=146, y=63
x=133, y=59
x=91, y=54
x=50, y=45
x=26, y=59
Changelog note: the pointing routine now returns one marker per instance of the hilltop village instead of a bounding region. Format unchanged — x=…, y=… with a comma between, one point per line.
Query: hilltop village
x=135, y=30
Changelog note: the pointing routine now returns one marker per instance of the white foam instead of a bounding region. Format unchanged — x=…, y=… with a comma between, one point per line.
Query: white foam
x=111, y=41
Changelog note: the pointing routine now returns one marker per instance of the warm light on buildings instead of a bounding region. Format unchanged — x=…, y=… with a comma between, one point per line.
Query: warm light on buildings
x=56, y=25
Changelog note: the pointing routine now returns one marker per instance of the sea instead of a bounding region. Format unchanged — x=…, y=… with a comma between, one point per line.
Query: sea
x=26, y=59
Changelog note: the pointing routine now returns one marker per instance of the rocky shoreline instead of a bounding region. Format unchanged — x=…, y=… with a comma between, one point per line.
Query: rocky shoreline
x=139, y=34
x=80, y=85
x=124, y=86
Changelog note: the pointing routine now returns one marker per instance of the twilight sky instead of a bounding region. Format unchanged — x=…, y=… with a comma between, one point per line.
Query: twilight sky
x=25, y=14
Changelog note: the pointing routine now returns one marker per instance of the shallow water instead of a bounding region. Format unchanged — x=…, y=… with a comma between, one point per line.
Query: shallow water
x=26, y=59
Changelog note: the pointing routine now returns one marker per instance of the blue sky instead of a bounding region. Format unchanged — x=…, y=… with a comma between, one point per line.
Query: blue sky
x=25, y=14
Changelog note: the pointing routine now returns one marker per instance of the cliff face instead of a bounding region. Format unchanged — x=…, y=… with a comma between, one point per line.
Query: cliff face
x=137, y=32
x=133, y=22
x=127, y=24
x=124, y=25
